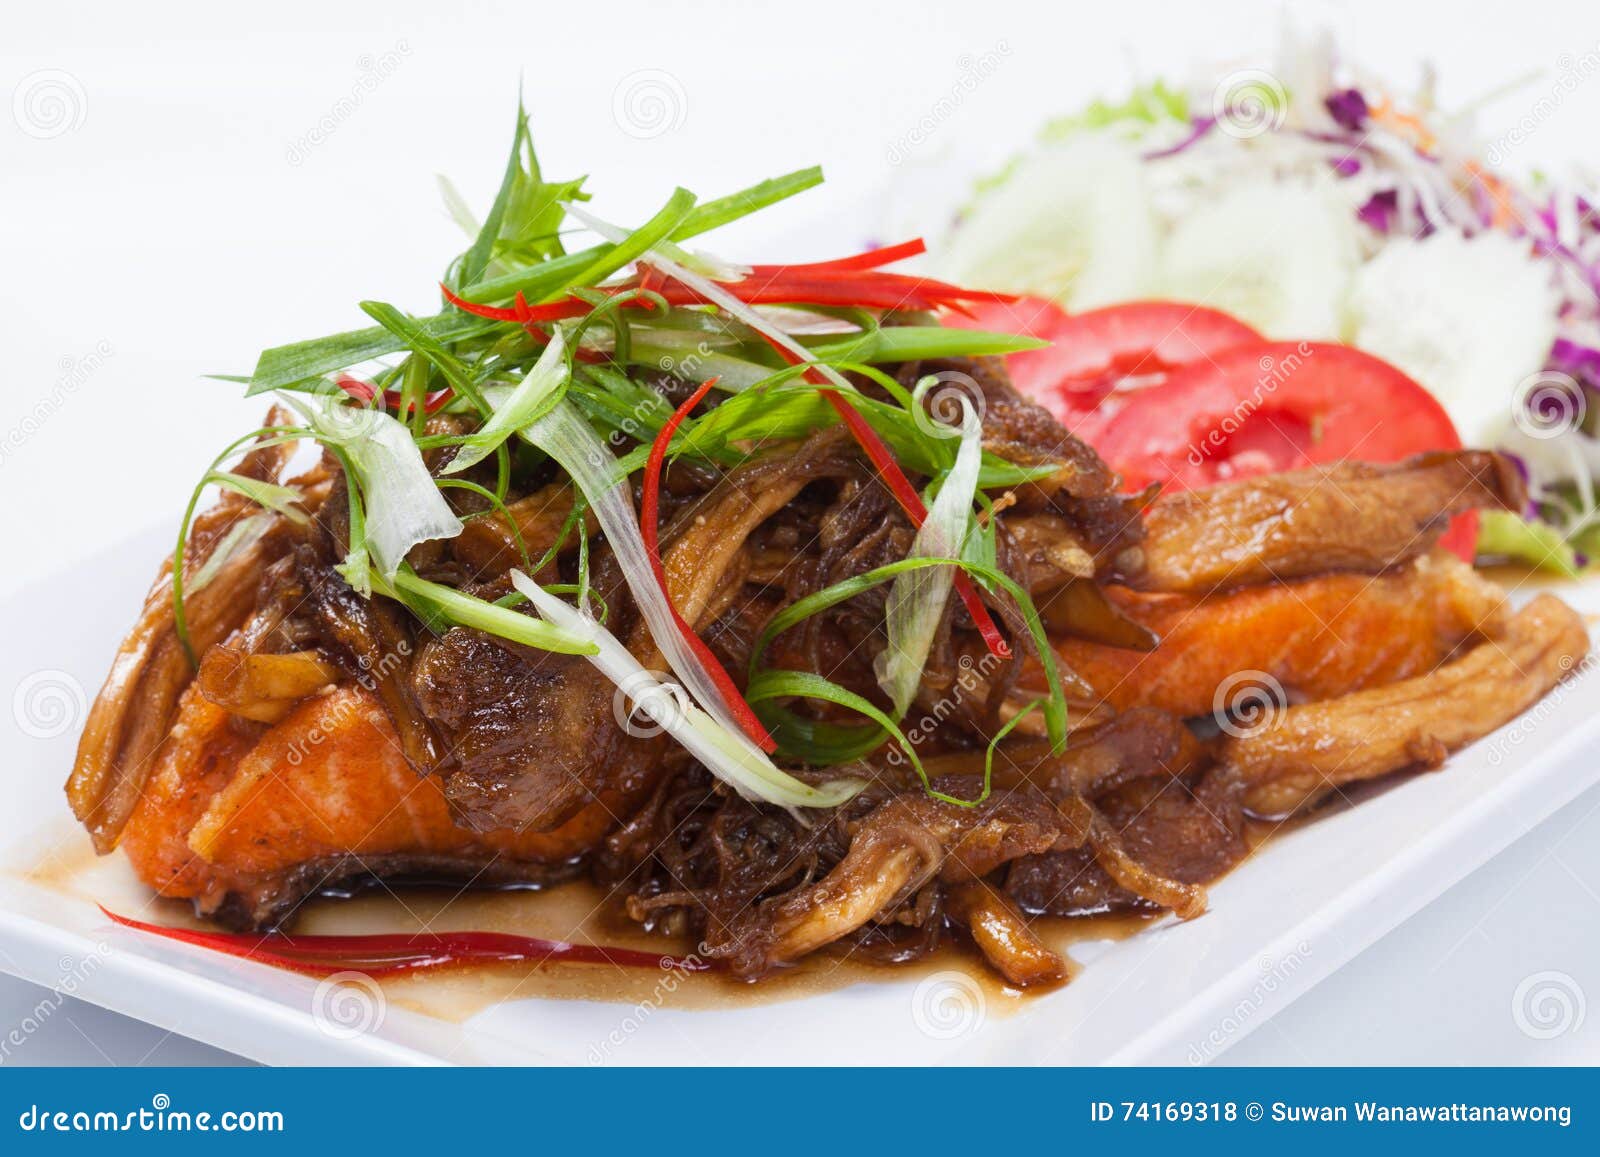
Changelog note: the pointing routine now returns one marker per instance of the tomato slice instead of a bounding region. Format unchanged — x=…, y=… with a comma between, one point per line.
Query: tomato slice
x=1101, y=357
x=1277, y=406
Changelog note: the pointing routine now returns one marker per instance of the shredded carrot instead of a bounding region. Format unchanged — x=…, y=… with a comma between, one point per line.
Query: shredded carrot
x=1405, y=124
x=1505, y=211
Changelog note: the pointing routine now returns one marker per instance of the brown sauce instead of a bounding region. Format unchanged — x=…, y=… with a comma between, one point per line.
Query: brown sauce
x=582, y=912
x=576, y=911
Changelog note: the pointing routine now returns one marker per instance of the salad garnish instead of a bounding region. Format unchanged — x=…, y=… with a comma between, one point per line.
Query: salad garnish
x=1312, y=200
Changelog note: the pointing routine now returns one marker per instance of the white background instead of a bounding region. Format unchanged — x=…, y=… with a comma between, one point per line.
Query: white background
x=193, y=212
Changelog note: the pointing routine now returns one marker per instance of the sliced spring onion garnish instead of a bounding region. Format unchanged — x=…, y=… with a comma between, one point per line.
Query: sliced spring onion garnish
x=403, y=506
x=241, y=536
x=284, y=500
x=1055, y=707
x=232, y=543
x=808, y=685
x=567, y=437
x=715, y=295
x=515, y=407
x=726, y=753
x=441, y=607
x=917, y=598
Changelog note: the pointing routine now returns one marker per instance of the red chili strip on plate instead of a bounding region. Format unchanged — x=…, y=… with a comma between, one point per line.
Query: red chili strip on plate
x=402, y=952
x=649, y=507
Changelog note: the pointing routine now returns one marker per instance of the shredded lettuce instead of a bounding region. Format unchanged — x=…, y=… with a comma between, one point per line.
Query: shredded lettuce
x=1502, y=534
x=402, y=504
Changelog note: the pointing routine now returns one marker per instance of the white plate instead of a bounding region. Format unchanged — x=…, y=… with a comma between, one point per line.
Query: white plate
x=1176, y=993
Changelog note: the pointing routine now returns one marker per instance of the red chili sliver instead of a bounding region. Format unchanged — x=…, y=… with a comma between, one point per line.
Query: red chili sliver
x=649, y=516
x=364, y=392
x=403, y=952
x=855, y=281
x=871, y=259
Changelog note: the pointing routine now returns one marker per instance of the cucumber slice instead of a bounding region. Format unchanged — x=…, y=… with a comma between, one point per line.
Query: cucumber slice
x=1276, y=255
x=1070, y=222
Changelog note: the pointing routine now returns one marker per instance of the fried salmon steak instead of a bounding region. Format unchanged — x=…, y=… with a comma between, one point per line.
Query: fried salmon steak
x=321, y=737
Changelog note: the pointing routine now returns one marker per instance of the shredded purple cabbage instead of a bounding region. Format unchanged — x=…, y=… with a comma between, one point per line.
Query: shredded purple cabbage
x=1381, y=211
x=1198, y=128
x=1580, y=362
x=1348, y=108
